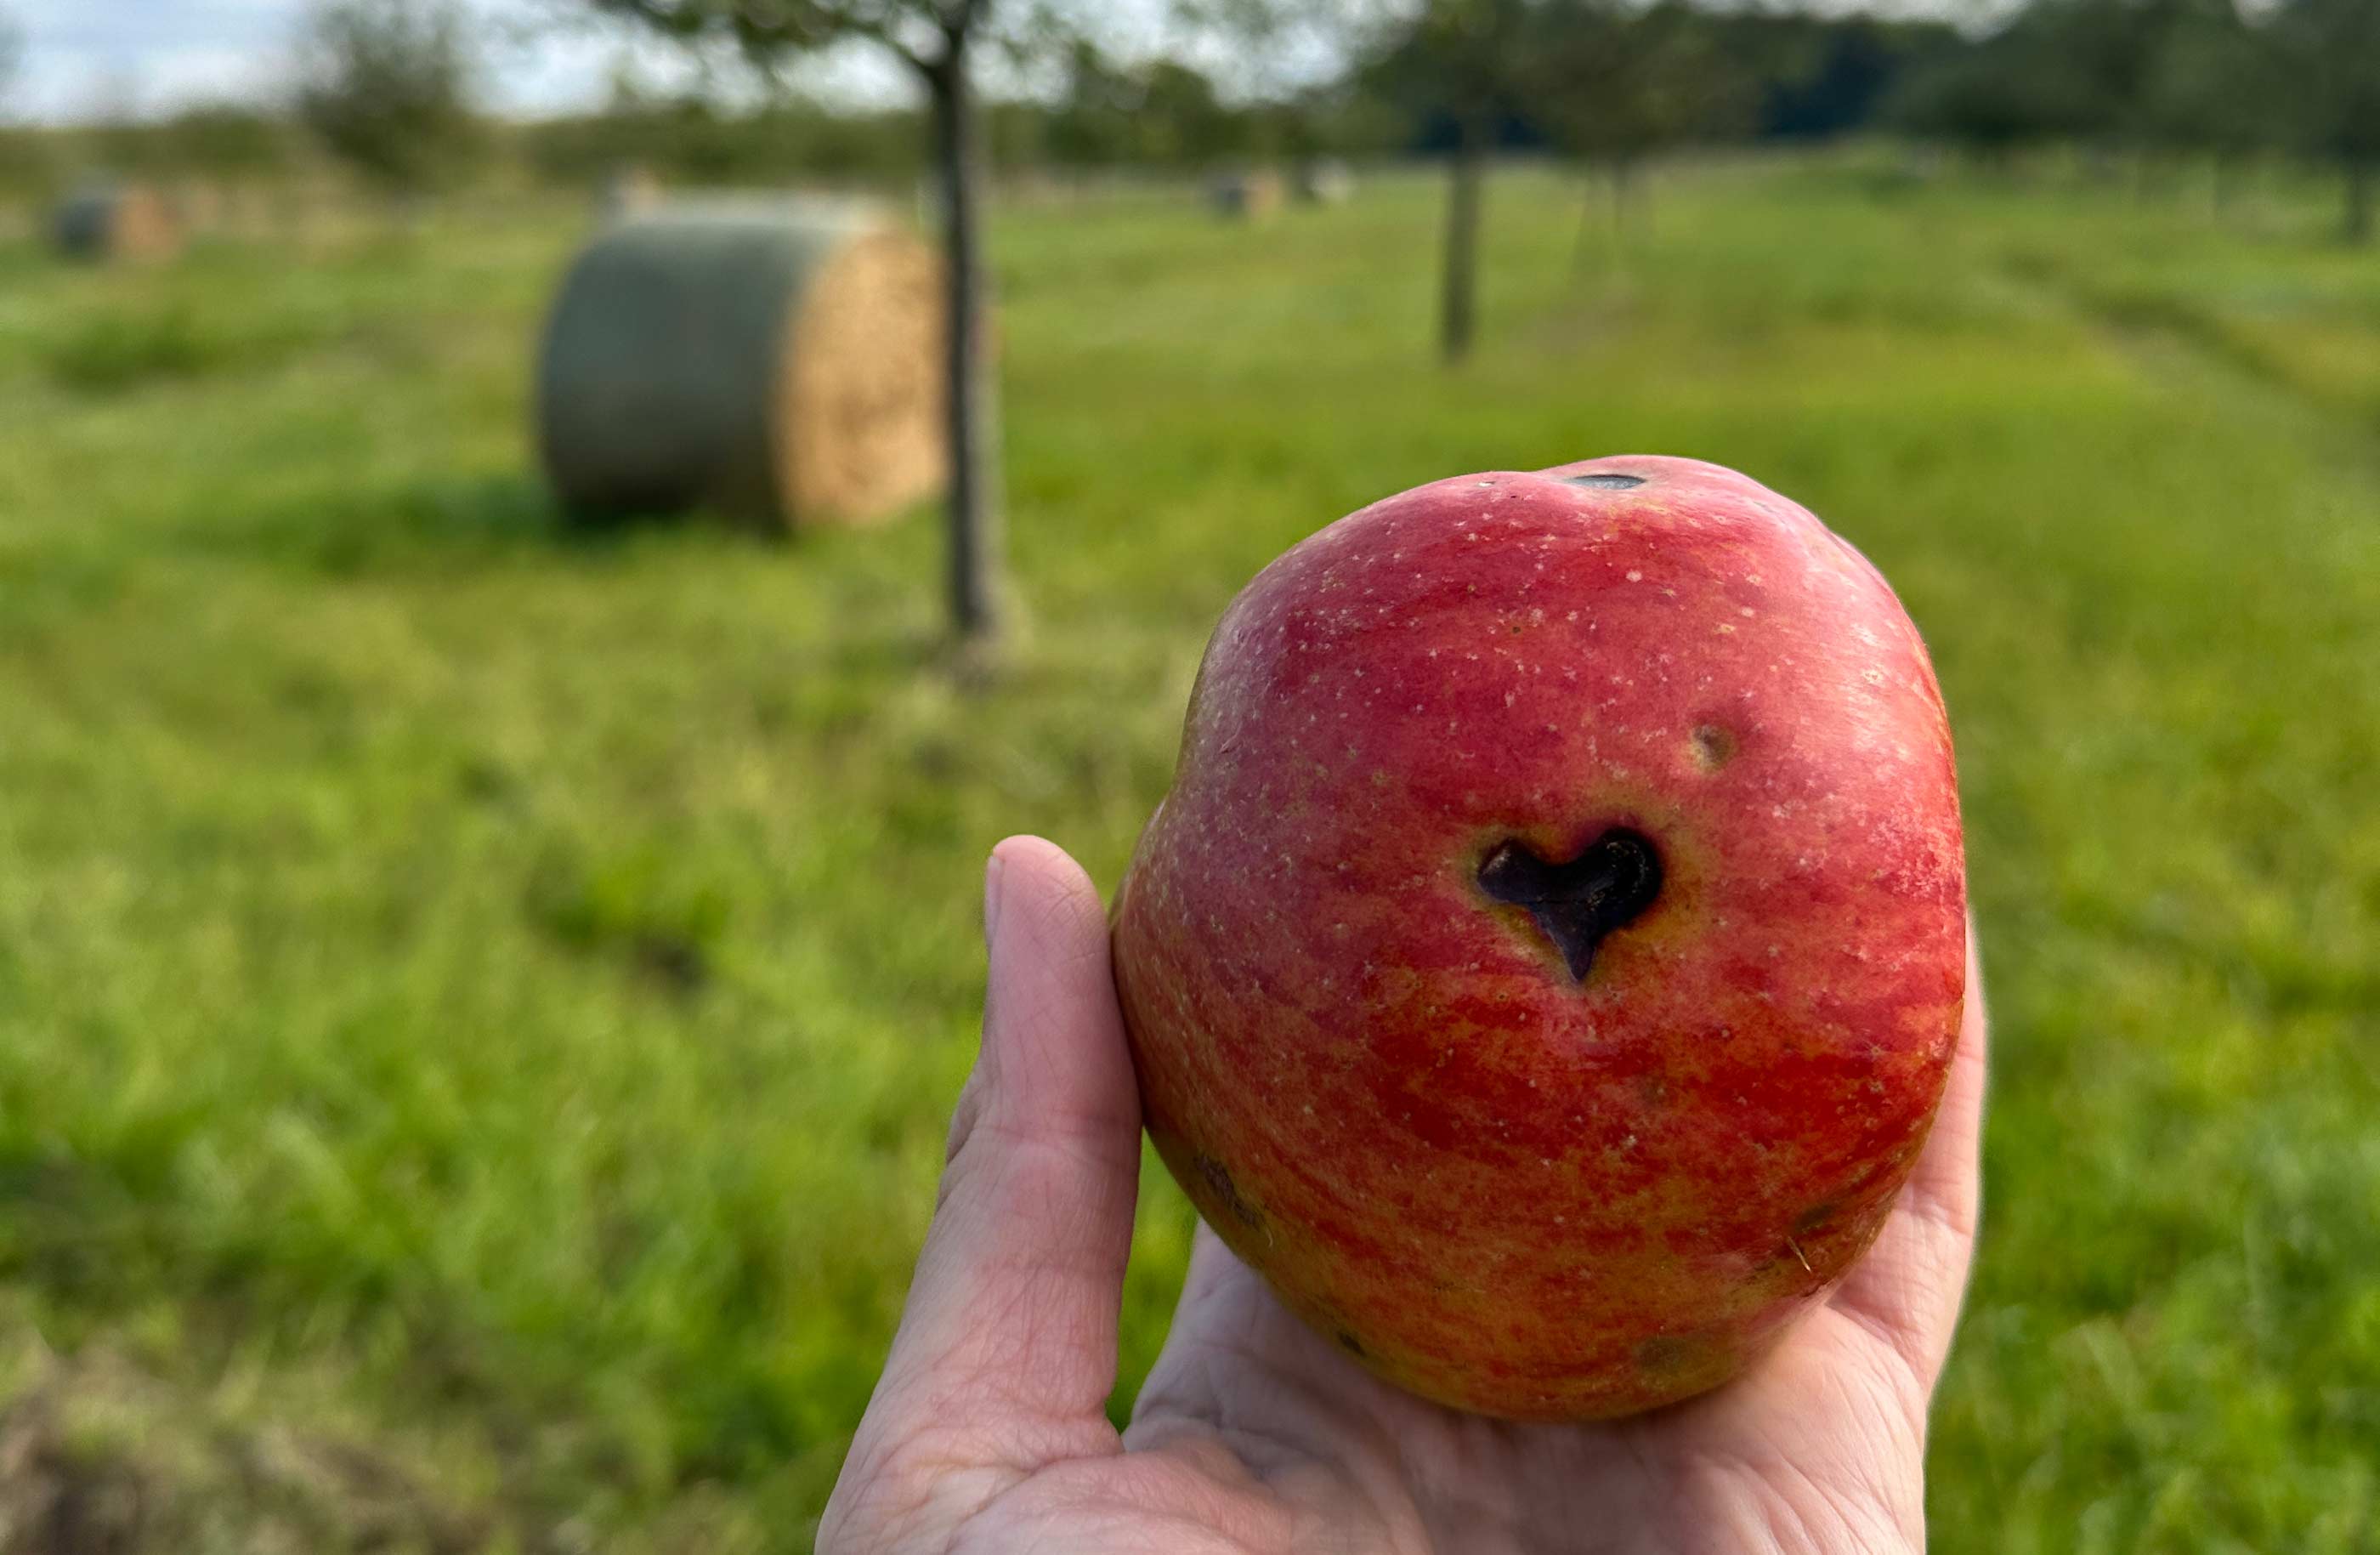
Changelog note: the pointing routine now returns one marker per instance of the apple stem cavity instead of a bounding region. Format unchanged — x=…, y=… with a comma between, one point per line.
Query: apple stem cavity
x=1603, y=890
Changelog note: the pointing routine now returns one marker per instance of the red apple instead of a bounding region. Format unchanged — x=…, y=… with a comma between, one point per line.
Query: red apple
x=1547, y=964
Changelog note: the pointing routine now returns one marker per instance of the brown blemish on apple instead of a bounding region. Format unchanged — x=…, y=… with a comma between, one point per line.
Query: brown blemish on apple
x=1218, y=1178
x=1350, y=1343
x=1713, y=747
x=1605, y=482
x=1816, y=1215
x=1580, y=903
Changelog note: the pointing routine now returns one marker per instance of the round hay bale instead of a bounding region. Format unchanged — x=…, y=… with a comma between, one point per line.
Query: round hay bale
x=632, y=189
x=100, y=222
x=1325, y=181
x=197, y=205
x=781, y=364
x=1249, y=197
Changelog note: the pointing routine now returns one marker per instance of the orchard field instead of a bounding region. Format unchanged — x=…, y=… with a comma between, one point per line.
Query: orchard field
x=480, y=1002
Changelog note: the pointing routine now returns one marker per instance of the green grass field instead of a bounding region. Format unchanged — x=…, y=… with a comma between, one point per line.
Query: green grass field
x=479, y=1003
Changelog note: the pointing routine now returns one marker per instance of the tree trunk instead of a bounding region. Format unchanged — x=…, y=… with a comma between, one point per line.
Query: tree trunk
x=974, y=403
x=1624, y=198
x=2357, y=227
x=1458, y=321
x=2226, y=191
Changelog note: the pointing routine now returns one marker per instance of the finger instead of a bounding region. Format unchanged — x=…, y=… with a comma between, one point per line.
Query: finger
x=1909, y=1286
x=1007, y=1349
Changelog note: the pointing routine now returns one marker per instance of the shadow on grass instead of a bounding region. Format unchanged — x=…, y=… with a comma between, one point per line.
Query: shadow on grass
x=444, y=523
x=118, y=350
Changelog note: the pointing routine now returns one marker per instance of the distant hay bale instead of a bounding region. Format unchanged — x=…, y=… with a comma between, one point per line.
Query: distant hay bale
x=630, y=190
x=1249, y=197
x=199, y=205
x=1325, y=181
x=776, y=362
x=99, y=223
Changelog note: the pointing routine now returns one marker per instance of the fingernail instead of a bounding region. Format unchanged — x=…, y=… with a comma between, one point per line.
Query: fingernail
x=991, y=873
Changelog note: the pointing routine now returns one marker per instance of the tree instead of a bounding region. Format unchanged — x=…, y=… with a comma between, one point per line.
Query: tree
x=1183, y=120
x=2011, y=89
x=1095, y=119
x=939, y=42
x=1823, y=77
x=228, y=139
x=1617, y=84
x=2332, y=47
x=387, y=86
x=1159, y=111
x=2215, y=85
x=1451, y=65
x=1459, y=63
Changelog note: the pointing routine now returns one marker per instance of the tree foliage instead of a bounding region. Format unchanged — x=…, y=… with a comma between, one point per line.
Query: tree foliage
x=2333, y=48
x=2213, y=84
x=1455, y=62
x=1609, y=80
x=387, y=86
x=931, y=36
x=1157, y=111
x=230, y=139
x=2148, y=74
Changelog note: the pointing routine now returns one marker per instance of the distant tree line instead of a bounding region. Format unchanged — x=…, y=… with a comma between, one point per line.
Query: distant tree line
x=388, y=87
x=2156, y=79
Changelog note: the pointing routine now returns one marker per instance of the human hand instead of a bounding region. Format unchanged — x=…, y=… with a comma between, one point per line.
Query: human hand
x=989, y=1433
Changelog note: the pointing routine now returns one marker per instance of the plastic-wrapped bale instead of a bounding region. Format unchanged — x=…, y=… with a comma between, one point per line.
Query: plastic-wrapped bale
x=1249, y=197
x=99, y=223
x=781, y=364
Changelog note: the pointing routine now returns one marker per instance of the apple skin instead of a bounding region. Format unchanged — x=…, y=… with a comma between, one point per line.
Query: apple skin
x=1495, y=1184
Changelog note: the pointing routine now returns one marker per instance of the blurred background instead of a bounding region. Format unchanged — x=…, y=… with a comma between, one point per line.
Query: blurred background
x=489, y=935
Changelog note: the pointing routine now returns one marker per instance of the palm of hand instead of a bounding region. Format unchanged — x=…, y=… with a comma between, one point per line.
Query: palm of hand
x=1253, y=1435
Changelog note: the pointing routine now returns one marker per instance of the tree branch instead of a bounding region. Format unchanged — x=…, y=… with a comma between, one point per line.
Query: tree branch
x=883, y=31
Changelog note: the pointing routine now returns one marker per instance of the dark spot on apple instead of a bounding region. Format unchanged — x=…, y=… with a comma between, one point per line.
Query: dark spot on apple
x=1713, y=747
x=1218, y=1178
x=1352, y=1345
x=1602, y=480
x=1666, y=1352
x=1816, y=1216
x=1578, y=904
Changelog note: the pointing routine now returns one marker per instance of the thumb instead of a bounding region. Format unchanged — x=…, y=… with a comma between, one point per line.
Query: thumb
x=1007, y=1349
